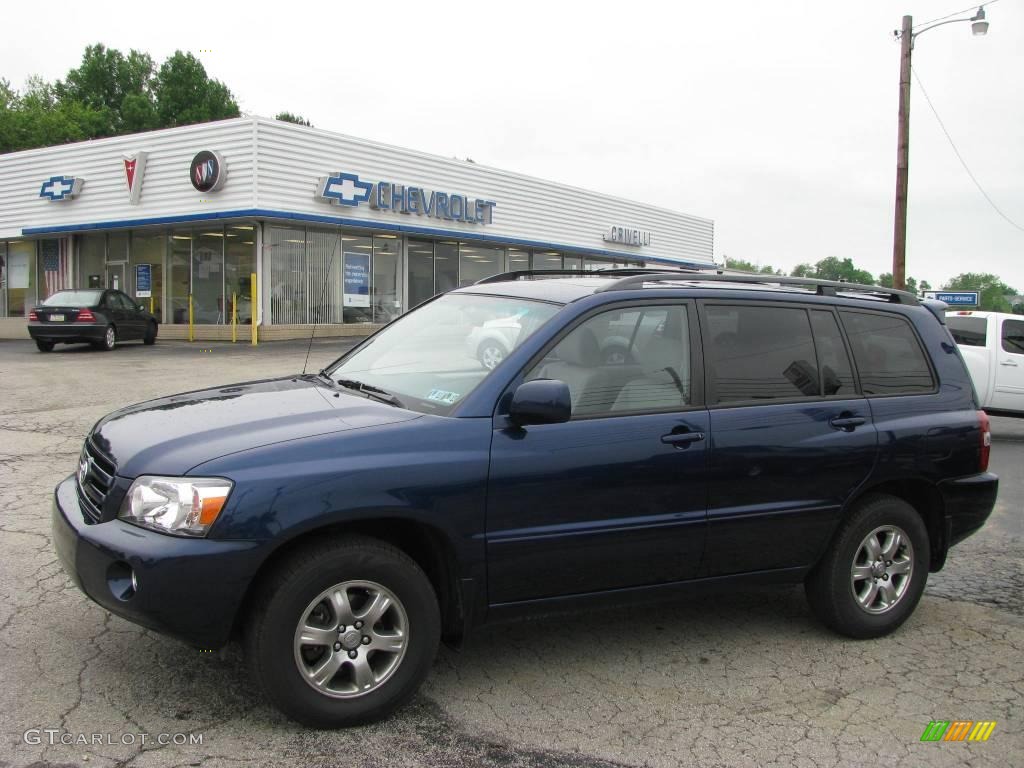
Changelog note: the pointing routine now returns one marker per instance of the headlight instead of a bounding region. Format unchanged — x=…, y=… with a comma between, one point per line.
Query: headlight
x=185, y=506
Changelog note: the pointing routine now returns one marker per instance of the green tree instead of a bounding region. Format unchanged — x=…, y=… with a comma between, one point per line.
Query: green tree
x=288, y=117
x=116, y=86
x=993, y=294
x=742, y=265
x=832, y=268
x=802, y=270
x=885, y=279
x=185, y=94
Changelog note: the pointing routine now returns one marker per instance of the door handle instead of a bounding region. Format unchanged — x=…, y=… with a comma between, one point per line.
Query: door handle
x=682, y=439
x=1008, y=362
x=847, y=423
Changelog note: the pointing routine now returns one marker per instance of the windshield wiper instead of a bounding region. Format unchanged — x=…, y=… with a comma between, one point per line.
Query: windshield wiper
x=370, y=391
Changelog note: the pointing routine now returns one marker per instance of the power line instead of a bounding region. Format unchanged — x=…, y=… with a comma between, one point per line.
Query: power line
x=965, y=10
x=961, y=157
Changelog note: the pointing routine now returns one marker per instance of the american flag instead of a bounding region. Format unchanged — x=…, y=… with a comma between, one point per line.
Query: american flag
x=56, y=265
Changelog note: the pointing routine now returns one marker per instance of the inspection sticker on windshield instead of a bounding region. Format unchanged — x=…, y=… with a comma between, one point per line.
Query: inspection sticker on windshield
x=443, y=396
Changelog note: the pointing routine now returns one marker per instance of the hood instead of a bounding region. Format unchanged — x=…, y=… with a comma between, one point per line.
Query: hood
x=171, y=435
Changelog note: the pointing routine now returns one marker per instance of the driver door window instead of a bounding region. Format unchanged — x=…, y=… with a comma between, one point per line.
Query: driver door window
x=633, y=360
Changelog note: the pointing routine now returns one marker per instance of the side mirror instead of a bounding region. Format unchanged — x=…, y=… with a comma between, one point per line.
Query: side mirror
x=541, y=401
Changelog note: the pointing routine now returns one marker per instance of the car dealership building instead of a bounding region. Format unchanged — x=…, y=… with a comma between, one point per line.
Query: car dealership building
x=338, y=230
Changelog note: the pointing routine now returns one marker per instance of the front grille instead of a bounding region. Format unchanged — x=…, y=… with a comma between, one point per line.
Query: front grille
x=95, y=479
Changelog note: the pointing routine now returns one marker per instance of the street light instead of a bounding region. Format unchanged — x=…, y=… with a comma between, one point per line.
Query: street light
x=906, y=36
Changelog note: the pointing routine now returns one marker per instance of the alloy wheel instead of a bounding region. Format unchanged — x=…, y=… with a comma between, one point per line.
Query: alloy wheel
x=882, y=569
x=351, y=638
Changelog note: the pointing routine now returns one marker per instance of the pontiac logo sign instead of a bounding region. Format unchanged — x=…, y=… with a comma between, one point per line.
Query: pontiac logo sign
x=627, y=236
x=134, y=170
x=208, y=171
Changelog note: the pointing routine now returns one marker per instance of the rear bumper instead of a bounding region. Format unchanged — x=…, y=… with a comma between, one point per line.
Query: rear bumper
x=186, y=588
x=968, y=502
x=69, y=333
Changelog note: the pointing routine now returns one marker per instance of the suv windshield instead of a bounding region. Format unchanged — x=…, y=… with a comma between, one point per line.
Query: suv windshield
x=431, y=358
x=73, y=299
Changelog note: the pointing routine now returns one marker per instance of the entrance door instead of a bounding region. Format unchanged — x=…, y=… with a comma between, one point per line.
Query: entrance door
x=115, y=277
x=617, y=496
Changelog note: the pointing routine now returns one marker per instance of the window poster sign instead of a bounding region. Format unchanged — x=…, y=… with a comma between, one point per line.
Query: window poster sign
x=17, y=270
x=357, y=279
x=143, y=281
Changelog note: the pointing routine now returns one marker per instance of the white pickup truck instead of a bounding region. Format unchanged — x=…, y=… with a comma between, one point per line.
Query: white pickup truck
x=992, y=344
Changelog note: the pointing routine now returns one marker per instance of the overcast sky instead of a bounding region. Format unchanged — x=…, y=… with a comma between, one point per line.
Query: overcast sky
x=776, y=120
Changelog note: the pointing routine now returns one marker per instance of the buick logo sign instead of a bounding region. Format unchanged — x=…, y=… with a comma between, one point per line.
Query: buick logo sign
x=208, y=171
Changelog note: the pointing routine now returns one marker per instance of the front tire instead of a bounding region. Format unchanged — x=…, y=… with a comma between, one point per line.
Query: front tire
x=44, y=346
x=150, y=338
x=874, y=572
x=343, y=633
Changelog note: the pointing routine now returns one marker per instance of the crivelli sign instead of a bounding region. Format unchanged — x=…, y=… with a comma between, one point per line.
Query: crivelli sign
x=627, y=236
x=348, y=189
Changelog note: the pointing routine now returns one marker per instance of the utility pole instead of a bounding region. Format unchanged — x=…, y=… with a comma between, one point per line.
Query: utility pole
x=899, y=240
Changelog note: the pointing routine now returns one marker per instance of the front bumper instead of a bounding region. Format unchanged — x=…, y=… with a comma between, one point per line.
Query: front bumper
x=67, y=333
x=186, y=588
x=968, y=502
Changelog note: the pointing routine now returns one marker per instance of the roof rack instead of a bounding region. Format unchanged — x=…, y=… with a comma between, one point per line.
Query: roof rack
x=604, y=272
x=822, y=287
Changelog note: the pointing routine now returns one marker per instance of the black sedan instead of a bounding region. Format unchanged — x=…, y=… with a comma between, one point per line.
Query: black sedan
x=100, y=318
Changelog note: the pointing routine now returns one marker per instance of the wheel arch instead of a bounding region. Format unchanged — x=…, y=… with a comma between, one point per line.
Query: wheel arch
x=926, y=500
x=428, y=546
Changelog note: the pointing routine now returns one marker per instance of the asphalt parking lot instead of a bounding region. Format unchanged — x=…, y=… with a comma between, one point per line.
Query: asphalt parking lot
x=747, y=679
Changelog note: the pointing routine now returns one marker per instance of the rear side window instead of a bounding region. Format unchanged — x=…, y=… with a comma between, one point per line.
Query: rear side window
x=888, y=355
x=834, y=362
x=1013, y=336
x=760, y=353
x=968, y=331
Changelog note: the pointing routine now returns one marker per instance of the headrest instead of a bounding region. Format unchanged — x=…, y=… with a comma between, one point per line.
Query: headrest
x=580, y=348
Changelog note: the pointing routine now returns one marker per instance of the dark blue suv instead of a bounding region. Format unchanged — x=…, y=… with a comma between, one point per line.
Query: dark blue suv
x=641, y=433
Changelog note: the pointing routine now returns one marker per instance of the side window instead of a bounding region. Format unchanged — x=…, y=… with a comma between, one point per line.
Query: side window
x=631, y=360
x=759, y=353
x=888, y=355
x=120, y=301
x=833, y=361
x=1013, y=336
x=968, y=331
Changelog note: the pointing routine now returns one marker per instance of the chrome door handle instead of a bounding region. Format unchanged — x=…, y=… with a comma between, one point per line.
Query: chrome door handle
x=682, y=439
x=1008, y=362
x=847, y=423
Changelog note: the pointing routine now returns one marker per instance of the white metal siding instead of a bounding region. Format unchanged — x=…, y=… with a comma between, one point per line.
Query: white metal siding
x=166, y=189
x=291, y=158
x=274, y=166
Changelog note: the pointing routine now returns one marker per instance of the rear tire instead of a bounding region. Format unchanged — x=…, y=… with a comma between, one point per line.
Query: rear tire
x=150, y=338
x=875, y=570
x=44, y=346
x=490, y=354
x=109, y=340
x=300, y=630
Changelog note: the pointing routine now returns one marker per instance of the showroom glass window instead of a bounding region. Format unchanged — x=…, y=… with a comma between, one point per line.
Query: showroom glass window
x=239, y=264
x=3, y=279
x=320, y=278
x=22, y=292
x=518, y=259
x=148, y=248
x=446, y=266
x=287, y=252
x=479, y=261
x=547, y=260
x=387, y=296
x=208, y=276
x=92, y=258
x=421, y=271
x=179, y=271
